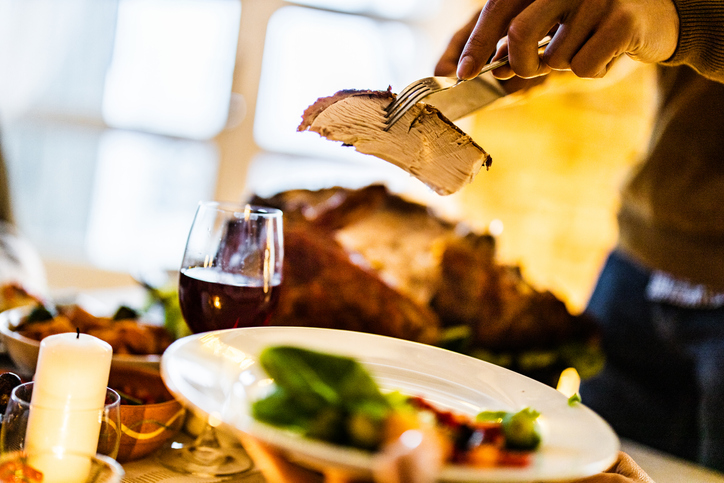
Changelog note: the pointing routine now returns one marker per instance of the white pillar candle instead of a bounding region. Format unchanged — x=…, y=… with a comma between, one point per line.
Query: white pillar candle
x=69, y=392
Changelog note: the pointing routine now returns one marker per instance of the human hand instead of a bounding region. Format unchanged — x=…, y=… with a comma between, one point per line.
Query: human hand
x=624, y=470
x=589, y=36
x=448, y=62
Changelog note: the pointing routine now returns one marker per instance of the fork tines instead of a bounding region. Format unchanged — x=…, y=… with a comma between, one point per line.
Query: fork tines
x=404, y=101
x=409, y=90
x=414, y=93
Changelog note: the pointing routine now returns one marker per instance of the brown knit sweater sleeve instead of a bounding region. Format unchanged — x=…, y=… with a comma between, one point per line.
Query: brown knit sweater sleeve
x=701, y=37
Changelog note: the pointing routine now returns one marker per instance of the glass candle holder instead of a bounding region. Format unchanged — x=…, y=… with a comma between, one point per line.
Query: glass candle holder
x=32, y=428
x=59, y=467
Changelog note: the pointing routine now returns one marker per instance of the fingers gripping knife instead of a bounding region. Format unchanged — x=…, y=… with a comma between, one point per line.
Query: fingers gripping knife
x=460, y=97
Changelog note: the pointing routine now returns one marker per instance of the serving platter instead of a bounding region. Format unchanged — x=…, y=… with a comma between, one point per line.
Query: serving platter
x=217, y=373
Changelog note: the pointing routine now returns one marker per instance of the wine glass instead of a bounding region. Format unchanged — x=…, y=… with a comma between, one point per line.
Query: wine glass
x=229, y=278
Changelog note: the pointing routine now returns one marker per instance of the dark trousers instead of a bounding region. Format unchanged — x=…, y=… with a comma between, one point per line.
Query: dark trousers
x=663, y=383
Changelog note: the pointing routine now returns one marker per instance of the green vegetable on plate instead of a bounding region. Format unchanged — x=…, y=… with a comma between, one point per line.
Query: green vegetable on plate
x=322, y=396
x=333, y=398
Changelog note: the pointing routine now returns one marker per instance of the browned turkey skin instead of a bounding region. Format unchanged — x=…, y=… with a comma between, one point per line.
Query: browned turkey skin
x=371, y=261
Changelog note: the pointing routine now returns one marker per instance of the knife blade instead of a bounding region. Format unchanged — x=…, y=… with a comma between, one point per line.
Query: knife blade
x=467, y=97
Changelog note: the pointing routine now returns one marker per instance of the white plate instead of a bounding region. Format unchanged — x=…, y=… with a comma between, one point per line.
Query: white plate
x=217, y=373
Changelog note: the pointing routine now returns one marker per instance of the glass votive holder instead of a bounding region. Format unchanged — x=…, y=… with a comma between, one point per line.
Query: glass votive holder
x=59, y=467
x=30, y=427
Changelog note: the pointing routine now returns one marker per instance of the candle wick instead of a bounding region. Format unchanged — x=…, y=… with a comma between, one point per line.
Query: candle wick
x=77, y=332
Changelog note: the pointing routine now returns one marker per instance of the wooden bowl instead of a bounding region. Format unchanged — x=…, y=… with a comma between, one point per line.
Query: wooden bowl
x=145, y=427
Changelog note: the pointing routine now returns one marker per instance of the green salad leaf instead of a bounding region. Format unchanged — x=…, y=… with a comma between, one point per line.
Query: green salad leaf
x=491, y=416
x=322, y=396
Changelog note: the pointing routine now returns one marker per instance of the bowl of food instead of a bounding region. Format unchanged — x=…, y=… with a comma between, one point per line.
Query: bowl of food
x=150, y=416
x=134, y=342
x=22, y=350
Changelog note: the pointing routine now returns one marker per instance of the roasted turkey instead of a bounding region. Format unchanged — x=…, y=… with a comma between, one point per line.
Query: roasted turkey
x=371, y=261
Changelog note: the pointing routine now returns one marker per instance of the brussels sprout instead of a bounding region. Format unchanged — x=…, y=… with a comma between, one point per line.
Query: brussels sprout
x=522, y=430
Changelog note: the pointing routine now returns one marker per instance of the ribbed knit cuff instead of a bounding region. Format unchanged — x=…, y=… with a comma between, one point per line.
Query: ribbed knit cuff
x=701, y=37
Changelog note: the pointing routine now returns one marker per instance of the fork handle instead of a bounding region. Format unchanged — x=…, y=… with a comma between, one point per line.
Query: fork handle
x=504, y=60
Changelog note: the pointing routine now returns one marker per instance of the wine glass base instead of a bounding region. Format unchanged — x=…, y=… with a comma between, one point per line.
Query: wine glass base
x=208, y=462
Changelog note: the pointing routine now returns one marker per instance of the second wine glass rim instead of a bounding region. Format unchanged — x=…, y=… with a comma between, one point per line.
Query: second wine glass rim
x=241, y=208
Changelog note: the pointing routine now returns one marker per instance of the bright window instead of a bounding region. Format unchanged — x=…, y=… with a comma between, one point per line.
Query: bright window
x=108, y=119
x=172, y=66
x=159, y=182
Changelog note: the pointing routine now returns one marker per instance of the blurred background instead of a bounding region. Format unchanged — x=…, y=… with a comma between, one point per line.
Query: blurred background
x=118, y=116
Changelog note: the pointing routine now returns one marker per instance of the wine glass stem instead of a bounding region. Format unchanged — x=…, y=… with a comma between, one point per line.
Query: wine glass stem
x=206, y=448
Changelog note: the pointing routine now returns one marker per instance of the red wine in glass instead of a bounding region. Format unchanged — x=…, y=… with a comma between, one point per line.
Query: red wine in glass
x=211, y=299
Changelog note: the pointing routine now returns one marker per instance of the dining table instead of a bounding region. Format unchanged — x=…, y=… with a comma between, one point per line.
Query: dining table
x=661, y=467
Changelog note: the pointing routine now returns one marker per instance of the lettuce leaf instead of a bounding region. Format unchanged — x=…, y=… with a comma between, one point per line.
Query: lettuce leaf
x=321, y=395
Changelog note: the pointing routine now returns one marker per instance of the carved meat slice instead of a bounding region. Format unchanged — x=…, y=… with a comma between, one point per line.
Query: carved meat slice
x=423, y=142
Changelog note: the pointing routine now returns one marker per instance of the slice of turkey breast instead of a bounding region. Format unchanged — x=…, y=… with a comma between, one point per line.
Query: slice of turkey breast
x=423, y=142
